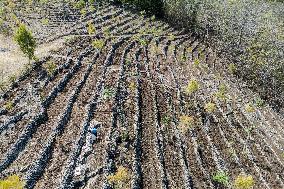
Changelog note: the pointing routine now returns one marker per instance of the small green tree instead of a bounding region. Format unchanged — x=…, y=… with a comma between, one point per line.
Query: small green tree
x=26, y=41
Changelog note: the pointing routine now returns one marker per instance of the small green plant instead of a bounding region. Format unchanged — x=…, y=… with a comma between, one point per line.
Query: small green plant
x=143, y=42
x=166, y=120
x=186, y=123
x=120, y=179
x=83, y=12
x=9, y=106
x=244, y=181
x=196, y=62
x=80, y=4
x=98, y=43
x=12, y=79
x=91, y=28
x=106, y=32
x=108, y=93
x=3, y=86
x=192, y=87
x=44, y=21
x=50, y=67
x=259, y=102
x=221, y=177
x=249, y=108
x=232, y=68
x=210, y=107
x=12, y=182
x=26, y=41
x=132, y=86
x=221, y=93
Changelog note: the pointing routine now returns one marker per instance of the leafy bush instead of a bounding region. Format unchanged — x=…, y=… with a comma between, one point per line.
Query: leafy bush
x=26, y=41
x=12, y=182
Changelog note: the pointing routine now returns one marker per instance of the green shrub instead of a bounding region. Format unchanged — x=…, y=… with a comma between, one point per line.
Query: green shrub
x=26, y=41
x=221, y=177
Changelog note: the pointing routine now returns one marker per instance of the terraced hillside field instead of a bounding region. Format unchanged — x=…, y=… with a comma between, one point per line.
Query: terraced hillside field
x=166, y=115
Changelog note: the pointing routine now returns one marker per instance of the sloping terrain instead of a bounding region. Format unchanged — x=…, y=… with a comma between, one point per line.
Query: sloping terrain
x=132, y=77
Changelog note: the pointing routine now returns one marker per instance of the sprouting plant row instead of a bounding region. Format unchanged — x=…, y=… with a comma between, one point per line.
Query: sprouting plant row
x=37, y=169
x=31, y=127
x=91, y=108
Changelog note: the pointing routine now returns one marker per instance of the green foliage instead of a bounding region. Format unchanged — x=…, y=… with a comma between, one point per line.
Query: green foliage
x=12, y=79
x=186, y=123
x=108, y=93
x=221, y=177
x=221, y=93
x=259, y=102
x=12, y=182
x=50, y=67
x=91, y=28
x=44, y=21
x=26, y=41
x=210, y=107
x=98, y=43
x=232, y=68
x=9, y=105
x=192, y=87
x=80, y=4
x=166, y=120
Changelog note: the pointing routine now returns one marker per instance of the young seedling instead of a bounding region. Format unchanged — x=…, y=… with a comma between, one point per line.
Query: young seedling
x=98, y=43
x=196, y=62
x=259, y=102
x=132, y=86
x=221, y=93
x=108, y=93
x=12, y=79
x=221, y=178
x=192, y=87
x=12, y=182
x=44, y=21
x=244, y=181
x=232, y=68
x=210, y=107
x=91, y=28
x=9, y=106
x=249, y=108
x=166, y=120
x=186, y=123
x=50, y=67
